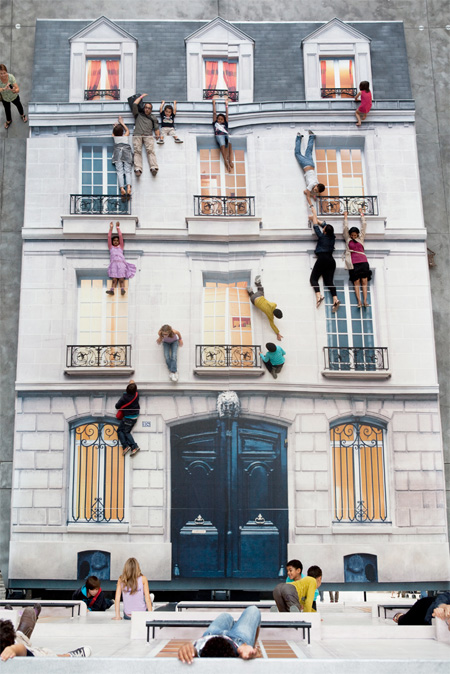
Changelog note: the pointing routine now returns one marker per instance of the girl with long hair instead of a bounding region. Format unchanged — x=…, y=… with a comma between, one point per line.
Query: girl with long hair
x=133, y=586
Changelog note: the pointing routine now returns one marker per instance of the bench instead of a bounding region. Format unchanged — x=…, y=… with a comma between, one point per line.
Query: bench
x=267, y=621
x=393, y=607
x=223, y=605
x=72, y=604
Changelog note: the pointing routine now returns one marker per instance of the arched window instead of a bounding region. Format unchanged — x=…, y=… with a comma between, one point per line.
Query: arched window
x=98, y=474
x=358, y=472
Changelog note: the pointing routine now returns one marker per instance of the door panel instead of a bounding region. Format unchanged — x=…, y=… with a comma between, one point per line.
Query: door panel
x=229, y=499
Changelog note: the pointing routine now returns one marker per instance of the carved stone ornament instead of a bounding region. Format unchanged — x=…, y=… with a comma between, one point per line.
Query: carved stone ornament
x=228, y=405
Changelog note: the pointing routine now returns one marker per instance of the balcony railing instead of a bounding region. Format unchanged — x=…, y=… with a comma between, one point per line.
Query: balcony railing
x=102, y=94
x=99, y=204
x=208, y=94
x=337, y=205
x=345, y=92
x=104, y=355
x=231, y=206
x=356, y=359
x=227, y=355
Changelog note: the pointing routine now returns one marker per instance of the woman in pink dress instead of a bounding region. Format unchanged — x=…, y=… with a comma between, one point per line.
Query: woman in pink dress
x=366, y=102
x=119, y=269
x=356, y=259
x=133, y=586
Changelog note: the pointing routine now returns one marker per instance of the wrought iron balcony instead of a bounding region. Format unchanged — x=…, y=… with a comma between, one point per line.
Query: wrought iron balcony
x=356, y=359
x=104, y=355
x=345, y=92
x=227, y=355
x=208, y=94
x=337, y=205
x=231, y=206
x=99, y=204
x=102, y=94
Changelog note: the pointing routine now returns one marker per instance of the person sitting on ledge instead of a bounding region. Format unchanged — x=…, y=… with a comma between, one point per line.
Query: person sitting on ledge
x=298, y=595
x=92, y=595
x=426, y=608
x=226, y=638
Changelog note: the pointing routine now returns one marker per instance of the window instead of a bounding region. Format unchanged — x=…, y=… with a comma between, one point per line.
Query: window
x=337, y=78
x=215, y=180
x=227, y=323
x=358, y=472
x=221, y=76
x=98, y=175
x=102, y=79
x=341, y=171
x=350, y=331
x=103, y=319
x=98, y=474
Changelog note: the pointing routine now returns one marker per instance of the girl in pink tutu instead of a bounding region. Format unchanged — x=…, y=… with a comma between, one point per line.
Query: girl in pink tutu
x=366, y=102
x=119, y=269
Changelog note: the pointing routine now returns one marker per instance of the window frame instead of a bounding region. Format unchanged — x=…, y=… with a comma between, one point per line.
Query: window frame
x=338, y=147
x=117, y=299
x=226, y=278
x=103, y=59
x=337, y=81
x=100, y=481
x=208, y=143
x=220, y=60
x=358, y=520
x=106, y=163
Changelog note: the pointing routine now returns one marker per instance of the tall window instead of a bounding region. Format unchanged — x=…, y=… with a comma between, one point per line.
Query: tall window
x=350, y=329
x=337, y=74
x=102, y=79
x=341, y=171
x=98, y=175
x=358, y=472
x=102, y=318
x=215, y=181
x=221, y=74
x=98, y=474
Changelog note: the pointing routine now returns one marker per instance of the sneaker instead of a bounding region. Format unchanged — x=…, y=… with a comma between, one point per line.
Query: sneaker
x=311, y=133
x=82, y=652
x=294, y=609
x=175, y=376
x=138, y=172
x=160, y=141
x=258, y=280
x=178, y=140
x=274, y=375
x=135, y=450
x=125, y=450
x=122, y=291
x=300, y=134
x=110, y=292
x=154, y=171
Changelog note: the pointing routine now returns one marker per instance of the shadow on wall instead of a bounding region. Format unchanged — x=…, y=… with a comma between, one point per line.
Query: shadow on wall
x=93, y=563
x=360, y=568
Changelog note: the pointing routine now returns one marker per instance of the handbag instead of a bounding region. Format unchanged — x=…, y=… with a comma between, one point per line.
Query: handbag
x=120, y=413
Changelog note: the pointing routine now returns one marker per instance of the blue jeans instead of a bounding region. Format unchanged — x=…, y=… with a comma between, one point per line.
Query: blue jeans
x=243, y=631
x=170, y=354
x=121, y=168
x=124, y=433
x=305, y=159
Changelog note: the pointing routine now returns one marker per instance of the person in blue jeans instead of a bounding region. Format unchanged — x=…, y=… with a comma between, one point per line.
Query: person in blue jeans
x=170, y=339
x=226, y=638
x=306, y=161
x=129, y=405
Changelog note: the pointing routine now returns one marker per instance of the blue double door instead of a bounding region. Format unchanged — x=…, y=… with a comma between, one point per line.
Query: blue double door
x=229, y=499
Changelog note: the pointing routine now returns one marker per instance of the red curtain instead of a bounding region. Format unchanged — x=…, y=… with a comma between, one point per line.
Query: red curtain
x=112, y=69
x=350, y=71
x=212, y=74
x=230, y=75
x=93, y=76
x=323, y=74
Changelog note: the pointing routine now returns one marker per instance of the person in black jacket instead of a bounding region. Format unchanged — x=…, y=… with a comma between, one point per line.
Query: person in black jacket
x=325, y=265
x=92, y=595
x=129, y=404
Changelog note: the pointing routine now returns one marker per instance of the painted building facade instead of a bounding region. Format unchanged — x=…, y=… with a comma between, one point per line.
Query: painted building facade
x=339, y=462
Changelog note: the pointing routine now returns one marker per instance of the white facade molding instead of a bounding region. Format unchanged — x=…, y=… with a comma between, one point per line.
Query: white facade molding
x=219, y=39
x=335, y=39
x=102, y=39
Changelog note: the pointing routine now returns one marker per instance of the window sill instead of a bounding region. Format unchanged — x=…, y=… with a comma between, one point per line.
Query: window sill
x=98, y=371
x=352, y=374
x=97, y=224
x=223, y=372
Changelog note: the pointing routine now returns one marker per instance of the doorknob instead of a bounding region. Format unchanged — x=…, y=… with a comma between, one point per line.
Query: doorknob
x=260, y=519
x=199, y=520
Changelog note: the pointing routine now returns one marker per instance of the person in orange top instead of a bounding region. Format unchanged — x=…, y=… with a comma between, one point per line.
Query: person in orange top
x=268, y=308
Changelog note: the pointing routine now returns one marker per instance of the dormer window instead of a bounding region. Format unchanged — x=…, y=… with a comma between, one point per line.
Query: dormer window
x=219, y=63
x=102, y=63
x=336, y=58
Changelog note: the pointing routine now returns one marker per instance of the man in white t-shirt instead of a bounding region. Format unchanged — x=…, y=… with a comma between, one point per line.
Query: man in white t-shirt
x=306, y=161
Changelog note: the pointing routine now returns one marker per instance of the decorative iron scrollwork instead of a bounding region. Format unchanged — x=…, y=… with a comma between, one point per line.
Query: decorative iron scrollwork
x=102, y=94
x=357, y=359
x=108, y=355
x=227, y=355
x=337, y=205
x=99, y=204
x=211, y=205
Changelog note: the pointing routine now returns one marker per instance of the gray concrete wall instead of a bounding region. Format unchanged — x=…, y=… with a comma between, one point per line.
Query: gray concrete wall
x=427, y=44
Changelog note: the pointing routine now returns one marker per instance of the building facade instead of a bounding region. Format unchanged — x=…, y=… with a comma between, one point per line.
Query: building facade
x=339, y=462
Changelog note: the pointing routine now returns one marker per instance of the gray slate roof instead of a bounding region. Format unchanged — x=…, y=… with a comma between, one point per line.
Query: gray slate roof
x=161, y=58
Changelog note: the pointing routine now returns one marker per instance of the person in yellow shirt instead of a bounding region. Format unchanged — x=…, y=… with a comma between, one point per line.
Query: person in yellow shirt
x=298, y=595
x=268, y=308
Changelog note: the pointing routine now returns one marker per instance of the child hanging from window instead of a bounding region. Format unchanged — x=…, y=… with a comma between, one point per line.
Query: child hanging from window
x=366, y=102
x=171, y=339
x=122, y=157
x=168, y=122
x=119, y=269
x=220, y=125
